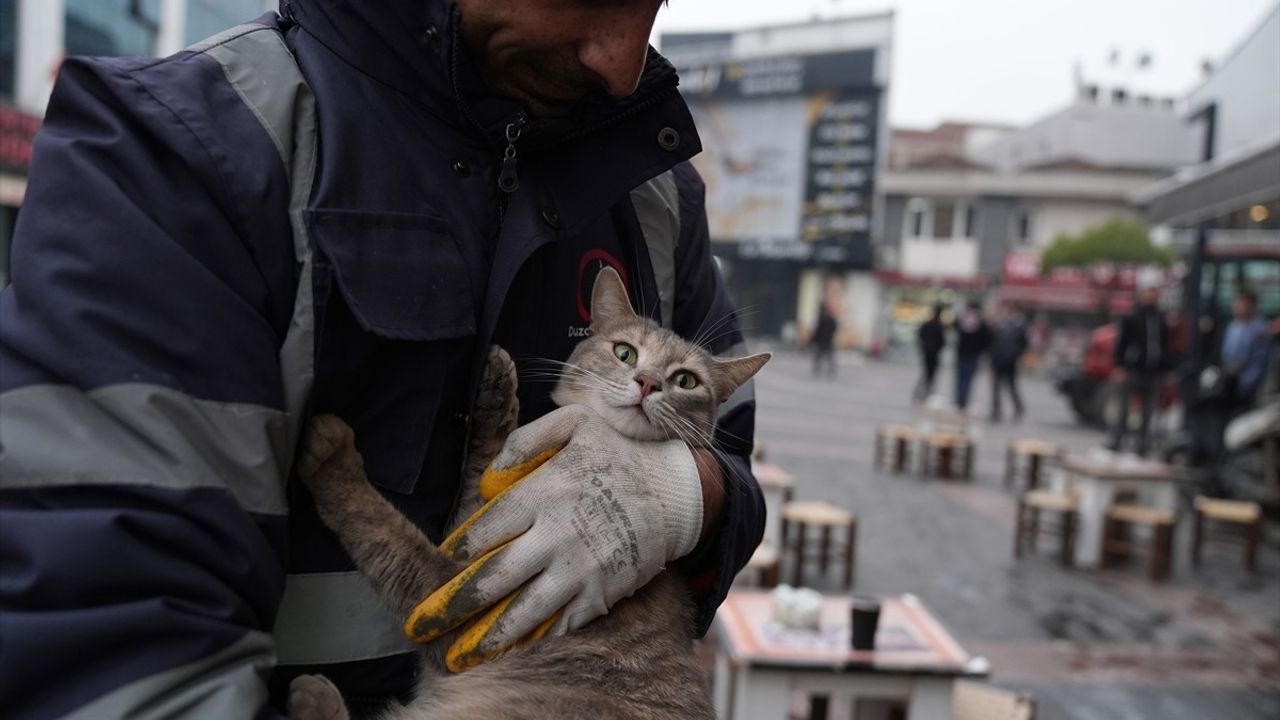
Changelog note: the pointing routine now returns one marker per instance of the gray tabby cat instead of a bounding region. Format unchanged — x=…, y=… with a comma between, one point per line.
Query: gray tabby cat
x=636, y=662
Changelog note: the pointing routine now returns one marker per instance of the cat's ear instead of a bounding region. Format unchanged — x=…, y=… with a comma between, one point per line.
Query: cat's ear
x=609, y=303
x=731, y=374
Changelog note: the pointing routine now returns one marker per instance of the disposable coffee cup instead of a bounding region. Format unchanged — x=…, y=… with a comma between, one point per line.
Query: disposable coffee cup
x=864, y=617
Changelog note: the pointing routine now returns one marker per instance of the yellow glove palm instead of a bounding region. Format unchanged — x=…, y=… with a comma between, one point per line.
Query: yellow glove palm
x=449, y=606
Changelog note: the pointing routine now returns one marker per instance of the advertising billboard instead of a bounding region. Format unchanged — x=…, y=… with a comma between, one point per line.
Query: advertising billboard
x=789, y=154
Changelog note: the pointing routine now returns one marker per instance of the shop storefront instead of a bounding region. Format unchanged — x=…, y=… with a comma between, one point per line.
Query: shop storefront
x=17, y=132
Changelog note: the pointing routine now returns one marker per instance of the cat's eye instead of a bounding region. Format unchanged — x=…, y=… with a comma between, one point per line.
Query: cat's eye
x=685, y=380
x=625, y=353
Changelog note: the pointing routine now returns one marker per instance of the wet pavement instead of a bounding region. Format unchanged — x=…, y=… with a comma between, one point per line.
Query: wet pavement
x=1087, y=645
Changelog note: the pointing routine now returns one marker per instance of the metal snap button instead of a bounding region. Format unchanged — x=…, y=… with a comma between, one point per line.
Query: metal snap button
x=432, y=34
x=668, y=139
x=551, y=217
x=461, y=168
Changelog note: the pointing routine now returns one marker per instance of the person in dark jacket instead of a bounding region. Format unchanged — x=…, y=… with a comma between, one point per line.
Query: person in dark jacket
x=1141, y=361
x=932, y=338
x=1008, y=343
x=824, y=338
x=333, y=210
x=973, y=337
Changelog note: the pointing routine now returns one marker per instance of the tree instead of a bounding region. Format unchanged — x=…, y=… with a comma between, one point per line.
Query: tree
x=1117, y=240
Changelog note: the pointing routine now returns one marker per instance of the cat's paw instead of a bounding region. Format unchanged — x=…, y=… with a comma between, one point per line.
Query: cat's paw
x=497, y=409
x=313, y=697
x=329, y=454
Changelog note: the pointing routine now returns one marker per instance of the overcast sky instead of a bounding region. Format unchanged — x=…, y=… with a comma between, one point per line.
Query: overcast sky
x=1011, y=61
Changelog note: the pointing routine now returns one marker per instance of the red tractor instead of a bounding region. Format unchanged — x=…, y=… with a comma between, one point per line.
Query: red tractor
x=1226, y=267
x=1089, y=387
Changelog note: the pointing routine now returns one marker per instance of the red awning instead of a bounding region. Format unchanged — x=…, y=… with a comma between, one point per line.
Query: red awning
x=1079, y=299
x=896, y=278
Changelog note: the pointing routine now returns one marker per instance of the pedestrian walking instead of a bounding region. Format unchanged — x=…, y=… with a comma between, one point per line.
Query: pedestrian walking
x=973, y=338
x=932, y=338
x=824, y=338
x=1008, y=343
x=1141, y=360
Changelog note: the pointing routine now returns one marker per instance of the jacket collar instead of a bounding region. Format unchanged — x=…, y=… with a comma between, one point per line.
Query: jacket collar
x=414, y=46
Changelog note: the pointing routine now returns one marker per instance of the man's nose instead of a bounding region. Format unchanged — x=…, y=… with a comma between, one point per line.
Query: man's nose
x=617, y=53
x=648, y=384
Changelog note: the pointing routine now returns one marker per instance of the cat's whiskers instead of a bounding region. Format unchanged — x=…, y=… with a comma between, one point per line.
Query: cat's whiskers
x=727, y=323
x=684, y=428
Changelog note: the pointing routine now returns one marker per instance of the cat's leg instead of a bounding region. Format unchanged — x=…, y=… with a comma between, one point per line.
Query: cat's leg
x=313, y=697
x=403, y=565
x=496, y=413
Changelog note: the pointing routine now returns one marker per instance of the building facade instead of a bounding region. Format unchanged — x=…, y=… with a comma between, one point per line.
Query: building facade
x=35, y=35
x=1233, y=188
x=792, y=121
x=953, y=222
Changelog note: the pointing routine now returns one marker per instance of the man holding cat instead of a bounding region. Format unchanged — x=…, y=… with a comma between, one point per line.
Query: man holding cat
x=333, y=210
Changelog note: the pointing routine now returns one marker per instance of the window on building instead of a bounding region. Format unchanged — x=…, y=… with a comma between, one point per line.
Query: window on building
x=1023, y=230
x=210, y=17
x=944, y=219
x=917, y=209
x=970, y=221
x=8, y=46
x=112, y=27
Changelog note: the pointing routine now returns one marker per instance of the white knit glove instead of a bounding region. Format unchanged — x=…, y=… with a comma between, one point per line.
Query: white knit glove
x=580, y=517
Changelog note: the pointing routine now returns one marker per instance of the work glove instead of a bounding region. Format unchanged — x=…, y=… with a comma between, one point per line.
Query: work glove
x=578, y=517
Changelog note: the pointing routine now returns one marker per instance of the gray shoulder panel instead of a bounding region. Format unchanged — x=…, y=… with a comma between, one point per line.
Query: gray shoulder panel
x=265, y=74
x=657, y=204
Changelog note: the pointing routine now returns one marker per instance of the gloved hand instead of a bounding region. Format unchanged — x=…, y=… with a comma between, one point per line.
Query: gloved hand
x=580, y=517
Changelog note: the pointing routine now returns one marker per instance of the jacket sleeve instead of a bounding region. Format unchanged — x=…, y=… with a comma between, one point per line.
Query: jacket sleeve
x=703, y=310
x=142, y=440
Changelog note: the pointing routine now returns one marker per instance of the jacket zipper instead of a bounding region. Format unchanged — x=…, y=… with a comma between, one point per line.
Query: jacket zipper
x=508, y=177
x=508, y=180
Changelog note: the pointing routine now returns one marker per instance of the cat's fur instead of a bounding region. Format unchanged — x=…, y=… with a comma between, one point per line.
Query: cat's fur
x=636, y=662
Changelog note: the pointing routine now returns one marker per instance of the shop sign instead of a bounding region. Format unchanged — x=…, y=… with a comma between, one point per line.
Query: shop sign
x=17, y=134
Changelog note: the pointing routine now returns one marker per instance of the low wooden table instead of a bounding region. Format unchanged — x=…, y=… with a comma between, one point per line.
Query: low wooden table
x=760, y=663
x=1098, y=480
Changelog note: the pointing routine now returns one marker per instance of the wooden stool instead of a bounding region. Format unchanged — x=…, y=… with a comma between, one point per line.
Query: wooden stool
x=943, y=450
x=765, y=562
x=1160, y=521
x=1236, y=512
x=978, y=701
x=823, y=515
x=1037, y=454
x=899, y=438
x=1026, y=524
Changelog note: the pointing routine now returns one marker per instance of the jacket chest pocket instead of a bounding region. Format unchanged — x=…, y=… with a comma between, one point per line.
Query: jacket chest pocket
x=402, y=275
x=395, y=353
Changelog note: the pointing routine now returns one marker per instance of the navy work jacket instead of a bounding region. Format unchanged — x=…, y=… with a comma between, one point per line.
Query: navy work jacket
x=301, y=215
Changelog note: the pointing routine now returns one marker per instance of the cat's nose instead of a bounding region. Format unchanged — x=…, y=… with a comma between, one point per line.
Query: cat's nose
x=648, y=384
